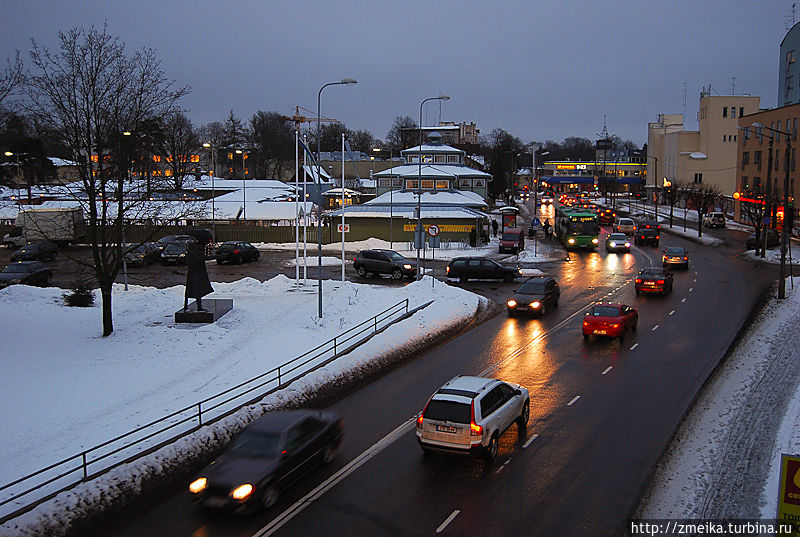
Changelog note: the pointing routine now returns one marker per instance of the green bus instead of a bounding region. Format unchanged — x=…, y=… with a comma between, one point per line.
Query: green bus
x=577, y=228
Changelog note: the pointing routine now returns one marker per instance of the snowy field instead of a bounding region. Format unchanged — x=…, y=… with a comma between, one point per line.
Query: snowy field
x=65, y=388
x=724, y=460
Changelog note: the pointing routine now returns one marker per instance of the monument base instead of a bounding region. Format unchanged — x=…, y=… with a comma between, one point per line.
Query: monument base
x=214, y=308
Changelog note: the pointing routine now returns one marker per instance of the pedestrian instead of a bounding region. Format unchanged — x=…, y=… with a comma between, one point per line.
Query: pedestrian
x=473, y=238
x=494, y=227
x=547, y=229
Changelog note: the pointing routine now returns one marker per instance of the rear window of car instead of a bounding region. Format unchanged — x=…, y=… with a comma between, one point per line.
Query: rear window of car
x=448, y=411
x=625, y=222
x=674, y=251
x=510, y=236
x=604, y=311
x=651, y=274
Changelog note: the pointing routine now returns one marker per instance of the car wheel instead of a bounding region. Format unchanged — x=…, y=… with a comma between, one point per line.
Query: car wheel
x=622, y=335
x=637, y=292
x=635, y=325
x=463, y=278
x=328, y=454
x=508, y=278
x=490, y=452
x=239, y=260
x=270, y=497
x=361, y=271
x=397, y=274
x=586, y=337
x=522, y=421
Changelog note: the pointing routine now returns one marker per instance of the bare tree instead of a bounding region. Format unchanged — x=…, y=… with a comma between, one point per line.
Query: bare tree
x=702, y=197
x=403, y=133
x=178, y=144
x=672, y=195
x=754, y=209
x=361, y=140
x=10, y=77
x=273, y=137
x=89, y=91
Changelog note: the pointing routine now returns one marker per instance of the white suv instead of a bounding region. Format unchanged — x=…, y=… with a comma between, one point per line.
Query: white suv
x=714, y=220
x=468, y=415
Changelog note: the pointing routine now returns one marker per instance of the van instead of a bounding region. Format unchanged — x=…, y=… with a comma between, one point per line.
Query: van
x=512, y=240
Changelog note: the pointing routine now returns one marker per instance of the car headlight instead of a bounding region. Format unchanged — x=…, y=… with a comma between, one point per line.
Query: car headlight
x=407, y=267
x=512, y=303
x=198, y=485
x=594, y=240
x=182, y=254
x=613, y=244
x=627, y=245
x=571, y=240
x=242, y=491
x=535, y=304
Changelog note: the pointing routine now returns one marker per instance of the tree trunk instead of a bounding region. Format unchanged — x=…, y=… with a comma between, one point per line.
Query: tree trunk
x=108, y=323
x=671, y=206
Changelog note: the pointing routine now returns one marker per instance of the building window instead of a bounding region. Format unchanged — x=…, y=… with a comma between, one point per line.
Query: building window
x=734, y=137
x=741, y=111
x=778, y=134
x=442, y=184
x=427, y=158
x=733, y=111
x=413, y=158
x=384, y=183
x=427, y=184
x=412, y=184
x=789, y=58
x=724, y=137
x=698, y=178
x=744, y=183
x=397, y=182
x=452, y=159
x=794, y=129
x=745, y=158
x=440, y=159
x=757, y=159
x=757, y=183
x=724, y=111
x=789, y=85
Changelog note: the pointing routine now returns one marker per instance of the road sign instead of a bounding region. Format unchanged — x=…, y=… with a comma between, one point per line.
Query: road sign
x=343, y=228
x=433, y=230
x=789, y=492
x=419, y=238
x=766, y=221
x=434, y=241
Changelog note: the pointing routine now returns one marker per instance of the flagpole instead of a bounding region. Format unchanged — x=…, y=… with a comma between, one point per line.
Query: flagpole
x=305, y=218
x=342, y=208
x=296, y=209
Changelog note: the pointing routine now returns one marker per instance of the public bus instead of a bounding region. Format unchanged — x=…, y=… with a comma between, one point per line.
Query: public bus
x=577, y=228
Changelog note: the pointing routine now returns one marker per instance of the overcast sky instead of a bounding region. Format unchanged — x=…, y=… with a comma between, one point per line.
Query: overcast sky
x=538, y=69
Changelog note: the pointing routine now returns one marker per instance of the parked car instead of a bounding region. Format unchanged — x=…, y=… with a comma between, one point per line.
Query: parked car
x=236, y=252
x=675, y=255
x=618, y=242
x=625, y=225
x=512, y=240
x=653, y=280
x=773, y=239
x=534, y=296
x=163, y=241
x=175, y=252
x=384, y=262
x=27, y=273
x=714, y=219
x=480, y=268
x=35, y=251
x=144, y=254
x=607, y=217
x=469, y=414
x=647, y=236
x=267, y=457
x=610, y=319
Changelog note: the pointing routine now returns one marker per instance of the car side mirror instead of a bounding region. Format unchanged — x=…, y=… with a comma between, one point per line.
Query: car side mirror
x=517, y=392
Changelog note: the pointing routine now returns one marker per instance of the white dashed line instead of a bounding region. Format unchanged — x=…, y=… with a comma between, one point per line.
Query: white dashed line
x=441, y=528
x=609, y=368
x=695, y=280
x=691, y=289
x=655, y=328
x=574, y=400
x=504, y=465
x=673, y=311
x=683, y=300
x=531, y=439
x=633, y=347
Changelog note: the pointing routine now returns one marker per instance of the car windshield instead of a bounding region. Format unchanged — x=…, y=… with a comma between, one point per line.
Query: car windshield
x=617, y=237
x=256, y=444
x=175, y=247
x=394, y=256
x=674, y=251
x=448, y=411
x=604, y=311
x=532, y=288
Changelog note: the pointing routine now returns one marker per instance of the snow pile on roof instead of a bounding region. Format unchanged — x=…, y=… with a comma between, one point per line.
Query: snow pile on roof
x=440, y=198
x=441, y=171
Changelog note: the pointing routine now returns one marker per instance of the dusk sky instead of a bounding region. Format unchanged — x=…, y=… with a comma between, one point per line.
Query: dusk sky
x=540, y=70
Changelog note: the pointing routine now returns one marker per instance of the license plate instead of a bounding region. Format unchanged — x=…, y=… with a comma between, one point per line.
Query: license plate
x=214, y=501
x=650, y=283
x=446, y=429
x=600, y=332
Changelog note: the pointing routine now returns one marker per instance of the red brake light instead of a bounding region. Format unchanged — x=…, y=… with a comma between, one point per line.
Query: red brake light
x=419, y=420
x=474, y=428
x=638, y=280
x=615, y=325
x=686, y=258
x=657, y=237
x=661, y=282
x=236, y=251
x=447, y=270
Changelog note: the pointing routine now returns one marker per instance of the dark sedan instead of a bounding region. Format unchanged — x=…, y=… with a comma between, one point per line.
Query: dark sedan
x=534, y=296
x=647, y=236
x=618, y=242
x=175, y=252
x=480, y=268
x=142, y=255
x=267, y=457
x=653, y=280
x=35, y=251
x=236, y=252
x=675, y=255
x=27, y=273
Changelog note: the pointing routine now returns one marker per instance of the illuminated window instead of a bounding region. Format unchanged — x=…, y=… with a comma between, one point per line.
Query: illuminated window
x=156, y=158
x=442, y=184
x=411, y=184
x=427, y=184
x=790, y=57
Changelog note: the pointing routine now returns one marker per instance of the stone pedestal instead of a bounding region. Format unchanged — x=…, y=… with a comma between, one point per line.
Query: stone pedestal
x=214, y=309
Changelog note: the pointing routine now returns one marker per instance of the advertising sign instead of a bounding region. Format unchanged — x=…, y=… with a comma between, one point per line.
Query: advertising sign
x=789, y=492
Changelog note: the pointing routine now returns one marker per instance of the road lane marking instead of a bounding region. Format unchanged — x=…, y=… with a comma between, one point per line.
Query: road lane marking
x=609, y=368
x=574, y=400
x=504, y=465
x=683, y=300
x=655, y=328
x=329, y=483
x=673, y=311
x=695, y=280
x=633, y=347
x=691, y=289
x=441, y=528
x=531, y=439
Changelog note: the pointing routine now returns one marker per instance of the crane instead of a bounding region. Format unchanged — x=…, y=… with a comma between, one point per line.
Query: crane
x=297, y=119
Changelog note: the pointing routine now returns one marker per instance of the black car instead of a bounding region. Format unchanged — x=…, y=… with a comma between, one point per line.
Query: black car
x=144, y=254
x=384, y=262
x=675, y=255
x=648, y=236
x=236, y=252
x=618, y=242
x=163, y=241
x=653, y=280
x=27, y=273
x=534, y=296
x=648, y=224
x=175, y=252
x=35, y=251
x=266, y=457
x=480, y=268
x=773, y=239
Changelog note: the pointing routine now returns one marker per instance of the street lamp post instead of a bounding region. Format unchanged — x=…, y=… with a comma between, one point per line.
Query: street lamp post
x=213, y=172
x=655, y=185
x=346, y=82
x=244, y=187
x=784, y=227
x=11, y=154
x=418, y=232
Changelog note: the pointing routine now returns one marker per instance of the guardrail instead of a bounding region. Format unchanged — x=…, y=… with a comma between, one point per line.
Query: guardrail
x=24, y=493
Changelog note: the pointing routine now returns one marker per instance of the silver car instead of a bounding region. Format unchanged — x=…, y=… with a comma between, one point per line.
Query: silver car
x=468, y=414
x=625, y=225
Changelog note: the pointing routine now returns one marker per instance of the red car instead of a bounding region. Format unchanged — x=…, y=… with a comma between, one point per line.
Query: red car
x=607, y=217
x=609, y=319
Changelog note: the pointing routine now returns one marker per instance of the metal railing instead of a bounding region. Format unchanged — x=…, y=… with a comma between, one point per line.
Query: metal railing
x=147, y=438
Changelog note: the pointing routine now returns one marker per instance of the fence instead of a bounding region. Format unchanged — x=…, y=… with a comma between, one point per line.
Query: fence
x=26, y=492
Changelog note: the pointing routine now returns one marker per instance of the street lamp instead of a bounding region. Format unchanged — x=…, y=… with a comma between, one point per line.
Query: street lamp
x=213, y=172
x=418, y=232
x=655, y=184
x=784, y=227
x=345, y=82
x=244, y=187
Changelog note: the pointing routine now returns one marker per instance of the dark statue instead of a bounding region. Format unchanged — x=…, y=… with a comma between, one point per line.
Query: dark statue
x=197, y=282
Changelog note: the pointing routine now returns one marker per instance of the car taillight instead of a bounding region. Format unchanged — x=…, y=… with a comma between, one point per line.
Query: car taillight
x=236, y=251
x=419, y=421
x=661, y=282
x=474, y=428
x=657, y=237
x=685, y=258
x=447, y=270
x=638, y=280
x=615, y=325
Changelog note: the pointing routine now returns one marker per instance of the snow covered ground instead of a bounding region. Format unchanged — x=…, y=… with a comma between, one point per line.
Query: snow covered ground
x=65, y=389
x=773, y=255
x=724, y=460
